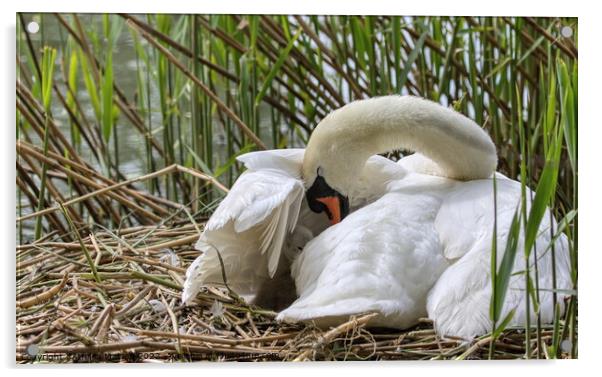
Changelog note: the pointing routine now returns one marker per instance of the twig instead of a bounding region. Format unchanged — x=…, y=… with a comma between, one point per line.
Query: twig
x=330, y=335
x=44, y=296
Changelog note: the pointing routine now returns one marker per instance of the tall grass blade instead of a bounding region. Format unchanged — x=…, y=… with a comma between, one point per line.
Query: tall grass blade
x=274, y=71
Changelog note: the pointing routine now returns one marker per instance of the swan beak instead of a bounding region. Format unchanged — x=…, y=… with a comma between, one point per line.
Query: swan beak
x=323, y=198
x=333, y=208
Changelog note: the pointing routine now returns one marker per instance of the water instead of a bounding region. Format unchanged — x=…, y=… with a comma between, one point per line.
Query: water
x=131, y=143
x=131, y=151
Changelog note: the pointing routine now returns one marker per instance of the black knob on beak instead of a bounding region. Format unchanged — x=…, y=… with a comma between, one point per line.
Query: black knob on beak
x=323, y=198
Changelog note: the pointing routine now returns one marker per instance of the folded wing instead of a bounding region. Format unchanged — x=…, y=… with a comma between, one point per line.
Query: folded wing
x=243, y=241
x=459, y=302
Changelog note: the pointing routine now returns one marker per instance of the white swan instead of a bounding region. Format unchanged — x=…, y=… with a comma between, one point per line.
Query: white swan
x=263, y=223
x=423, y=247
x=417, y=243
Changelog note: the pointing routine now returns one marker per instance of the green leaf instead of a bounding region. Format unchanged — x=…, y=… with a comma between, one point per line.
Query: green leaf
x=107, y=98
x=403, y=75
x=569, y=111
x=276, y=68
x=90, y=83
x=48, y=62
x=199, y=161
x=530, y=50
x=550, y=113
x=72, y=79
x=544, y=192
x=504, y=272
x=395, y=20
x=493, y=257
x=553, y=349
x=533, y=294
x=253, y=27
x=224, y=168
x=73, y=63
x=502, y=326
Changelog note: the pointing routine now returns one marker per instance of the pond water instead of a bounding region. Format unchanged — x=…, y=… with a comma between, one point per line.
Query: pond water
x=131, y=144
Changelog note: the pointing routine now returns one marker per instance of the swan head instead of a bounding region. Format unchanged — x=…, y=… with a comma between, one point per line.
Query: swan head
x=331, y=165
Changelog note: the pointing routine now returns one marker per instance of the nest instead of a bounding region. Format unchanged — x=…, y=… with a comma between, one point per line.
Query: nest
x=127, y=308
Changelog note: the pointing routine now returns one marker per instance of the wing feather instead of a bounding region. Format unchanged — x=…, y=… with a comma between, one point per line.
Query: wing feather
x=249, y=227
x=459, y=301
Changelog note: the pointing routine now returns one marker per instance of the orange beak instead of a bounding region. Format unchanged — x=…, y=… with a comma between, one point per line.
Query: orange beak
x=333, y=204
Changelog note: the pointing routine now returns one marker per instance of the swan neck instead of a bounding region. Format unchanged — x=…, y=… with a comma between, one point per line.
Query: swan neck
x=456, y=144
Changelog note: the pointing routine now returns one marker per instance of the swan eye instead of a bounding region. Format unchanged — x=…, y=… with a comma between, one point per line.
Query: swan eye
x=320, y=171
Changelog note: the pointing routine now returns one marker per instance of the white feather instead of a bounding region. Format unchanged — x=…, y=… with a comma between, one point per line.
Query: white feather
x=459, y=302
x=249, y=226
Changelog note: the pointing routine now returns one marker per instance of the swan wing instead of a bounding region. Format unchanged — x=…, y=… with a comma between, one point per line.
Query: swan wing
x=243, y=240
x=467, y=213
x=373, y=181
x=287, y=161
x=459, y=301
x=419, y=163
x=383, y=258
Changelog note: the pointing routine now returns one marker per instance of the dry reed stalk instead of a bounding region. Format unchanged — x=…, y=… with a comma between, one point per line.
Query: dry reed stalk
x=44, y=296
x=23, y=147
x=142, y=306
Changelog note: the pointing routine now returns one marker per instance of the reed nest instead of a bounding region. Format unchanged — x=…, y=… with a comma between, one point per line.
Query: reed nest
x=130, y=310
